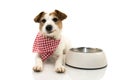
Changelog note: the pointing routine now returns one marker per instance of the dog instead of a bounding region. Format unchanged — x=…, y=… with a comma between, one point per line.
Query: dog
x=49, y=41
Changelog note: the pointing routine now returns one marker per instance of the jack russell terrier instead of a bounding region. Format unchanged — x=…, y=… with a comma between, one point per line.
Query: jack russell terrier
x=49, y=42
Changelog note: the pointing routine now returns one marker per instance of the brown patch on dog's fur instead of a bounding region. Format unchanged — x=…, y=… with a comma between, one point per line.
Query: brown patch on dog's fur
x=39, y=16
x=41, y=25
x=59, y=23
x=38, y=19
x=60, y=16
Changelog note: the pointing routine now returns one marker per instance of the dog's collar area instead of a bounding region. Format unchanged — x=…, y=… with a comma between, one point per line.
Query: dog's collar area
x=49, y=37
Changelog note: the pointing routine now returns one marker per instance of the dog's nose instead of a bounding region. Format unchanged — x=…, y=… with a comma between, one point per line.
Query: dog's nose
x=49, y=28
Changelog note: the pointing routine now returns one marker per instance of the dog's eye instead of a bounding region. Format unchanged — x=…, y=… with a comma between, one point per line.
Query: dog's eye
x=43, y=20
x=55, y=19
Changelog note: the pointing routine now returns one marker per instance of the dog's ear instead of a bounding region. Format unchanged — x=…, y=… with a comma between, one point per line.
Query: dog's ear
x=60, y=15
x=38, y=17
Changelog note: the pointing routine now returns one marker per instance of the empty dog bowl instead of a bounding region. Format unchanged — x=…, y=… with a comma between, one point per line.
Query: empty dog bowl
x=86, y=58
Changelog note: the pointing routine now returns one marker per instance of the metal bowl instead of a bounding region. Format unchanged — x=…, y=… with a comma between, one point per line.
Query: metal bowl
x=86, y=58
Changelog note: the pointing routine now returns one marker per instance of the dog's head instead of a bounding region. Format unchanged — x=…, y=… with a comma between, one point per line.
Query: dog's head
x=50, y=23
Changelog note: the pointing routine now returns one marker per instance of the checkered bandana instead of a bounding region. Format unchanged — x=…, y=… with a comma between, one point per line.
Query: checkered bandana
x=44, y=46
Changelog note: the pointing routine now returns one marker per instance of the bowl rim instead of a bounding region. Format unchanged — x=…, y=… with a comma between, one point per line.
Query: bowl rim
x=86, y=68
x=86, y=50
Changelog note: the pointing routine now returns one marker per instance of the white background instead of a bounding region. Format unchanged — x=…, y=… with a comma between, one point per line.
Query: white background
x=90, y=23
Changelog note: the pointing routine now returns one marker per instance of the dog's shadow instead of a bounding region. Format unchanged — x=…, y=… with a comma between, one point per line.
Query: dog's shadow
x=49, y=73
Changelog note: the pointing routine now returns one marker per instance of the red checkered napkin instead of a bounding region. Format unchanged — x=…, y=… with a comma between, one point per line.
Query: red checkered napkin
x=44, y=46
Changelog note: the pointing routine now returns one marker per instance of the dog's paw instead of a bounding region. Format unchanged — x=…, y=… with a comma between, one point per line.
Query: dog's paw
x=38, y=68
x=60, y=69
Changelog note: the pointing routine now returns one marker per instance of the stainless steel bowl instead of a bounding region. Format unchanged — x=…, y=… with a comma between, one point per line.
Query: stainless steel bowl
x=86, y=58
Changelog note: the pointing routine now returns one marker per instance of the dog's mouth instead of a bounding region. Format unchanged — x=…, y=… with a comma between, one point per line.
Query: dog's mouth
x=49, y=32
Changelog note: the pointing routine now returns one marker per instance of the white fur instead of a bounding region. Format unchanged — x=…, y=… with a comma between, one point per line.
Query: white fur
x=49, y=20
x=60, y=50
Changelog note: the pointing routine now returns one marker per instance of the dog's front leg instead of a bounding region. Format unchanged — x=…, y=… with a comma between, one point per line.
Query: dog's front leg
x=38, y=65
x=59, y=64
